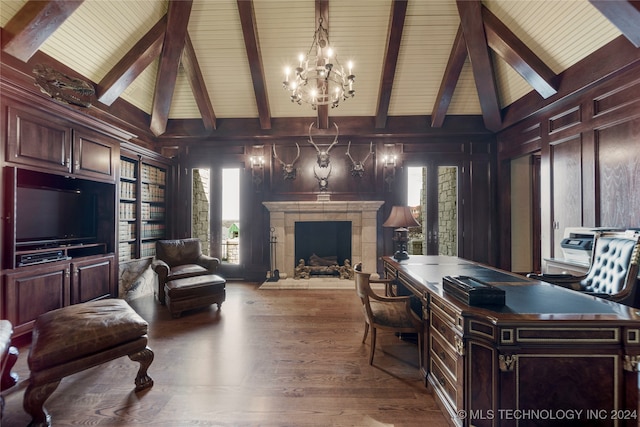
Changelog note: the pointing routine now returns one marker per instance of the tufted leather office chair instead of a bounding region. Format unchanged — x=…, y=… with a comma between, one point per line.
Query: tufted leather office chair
x=387, y=313
x=180, y=258
x=613, y=271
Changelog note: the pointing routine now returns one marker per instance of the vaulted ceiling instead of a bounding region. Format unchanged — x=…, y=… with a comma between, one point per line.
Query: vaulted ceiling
x=211, y=60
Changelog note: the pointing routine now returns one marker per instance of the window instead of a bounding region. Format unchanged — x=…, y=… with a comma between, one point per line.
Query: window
x=230, y=251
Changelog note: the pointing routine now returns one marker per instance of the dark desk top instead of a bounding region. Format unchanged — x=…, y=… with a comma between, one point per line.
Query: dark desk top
x=524, y=297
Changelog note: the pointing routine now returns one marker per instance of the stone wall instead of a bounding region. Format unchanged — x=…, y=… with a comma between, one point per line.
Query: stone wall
x=200, y=212
x=447, y=210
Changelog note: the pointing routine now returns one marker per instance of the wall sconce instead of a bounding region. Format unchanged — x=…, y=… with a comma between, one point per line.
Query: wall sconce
x=389, y=162
x=257, y=167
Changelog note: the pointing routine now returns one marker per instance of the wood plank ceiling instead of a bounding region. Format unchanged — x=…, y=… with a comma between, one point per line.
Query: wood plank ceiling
x=211, y=60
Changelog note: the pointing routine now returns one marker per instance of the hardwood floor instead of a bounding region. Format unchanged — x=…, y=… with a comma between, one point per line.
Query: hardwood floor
x=269, y=358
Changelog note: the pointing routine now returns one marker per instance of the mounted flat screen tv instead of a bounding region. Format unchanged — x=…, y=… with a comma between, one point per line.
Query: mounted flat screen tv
x=48, y=216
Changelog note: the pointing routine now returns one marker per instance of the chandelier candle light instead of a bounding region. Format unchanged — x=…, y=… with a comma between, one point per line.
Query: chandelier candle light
x=320, y=79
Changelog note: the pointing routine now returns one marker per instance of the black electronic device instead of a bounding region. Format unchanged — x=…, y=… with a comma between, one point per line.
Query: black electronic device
x=41, y=257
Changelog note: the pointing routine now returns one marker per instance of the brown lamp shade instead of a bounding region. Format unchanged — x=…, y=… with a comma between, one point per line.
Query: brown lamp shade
x=400, y=217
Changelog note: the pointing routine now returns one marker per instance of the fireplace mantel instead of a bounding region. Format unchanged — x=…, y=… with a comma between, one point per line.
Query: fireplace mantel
x=362, y=214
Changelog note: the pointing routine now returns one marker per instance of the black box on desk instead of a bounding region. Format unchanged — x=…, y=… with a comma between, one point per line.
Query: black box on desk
x=472, y=291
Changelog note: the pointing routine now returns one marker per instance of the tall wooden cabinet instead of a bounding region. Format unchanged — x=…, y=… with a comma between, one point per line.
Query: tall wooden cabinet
x=59, y=206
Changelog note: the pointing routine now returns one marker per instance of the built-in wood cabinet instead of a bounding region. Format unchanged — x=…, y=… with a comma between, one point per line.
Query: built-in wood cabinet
x=142, y=218
x=32, y=291
x=38, y=139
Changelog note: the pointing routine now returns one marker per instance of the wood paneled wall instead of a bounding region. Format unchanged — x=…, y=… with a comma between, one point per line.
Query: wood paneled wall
x=590, y=161
x=474, y=155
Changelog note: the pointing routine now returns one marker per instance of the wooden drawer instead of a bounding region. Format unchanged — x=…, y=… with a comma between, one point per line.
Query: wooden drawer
x=443, y=328
x=446, y=386
x=442, y=352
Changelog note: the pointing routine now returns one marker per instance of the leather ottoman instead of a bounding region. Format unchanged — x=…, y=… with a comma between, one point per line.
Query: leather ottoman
x=74, y=338
x=194, y=292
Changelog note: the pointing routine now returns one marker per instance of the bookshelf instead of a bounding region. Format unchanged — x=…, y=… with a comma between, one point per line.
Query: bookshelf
x=142, y=207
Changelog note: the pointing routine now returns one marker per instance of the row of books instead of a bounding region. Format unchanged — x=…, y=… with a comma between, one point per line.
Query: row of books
x=153, y=174
x=126, y=230
x=127, y=169
x=152, y=212
x=152, y=193
x=127, y=190
x=152, y=230
x=127, y=211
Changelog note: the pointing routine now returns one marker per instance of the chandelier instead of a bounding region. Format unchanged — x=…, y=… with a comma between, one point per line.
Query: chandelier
x=320, y=79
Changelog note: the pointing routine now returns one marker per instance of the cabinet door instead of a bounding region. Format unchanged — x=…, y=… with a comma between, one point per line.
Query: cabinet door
x=94, y=155
x=92, y=279
x=37, y=139
x=32, y=292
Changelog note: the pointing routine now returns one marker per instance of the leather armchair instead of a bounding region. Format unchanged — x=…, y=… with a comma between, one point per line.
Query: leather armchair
x=613, y=271
x=177, y=259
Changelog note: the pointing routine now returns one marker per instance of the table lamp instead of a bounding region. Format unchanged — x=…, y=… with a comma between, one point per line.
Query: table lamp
x=400, y=219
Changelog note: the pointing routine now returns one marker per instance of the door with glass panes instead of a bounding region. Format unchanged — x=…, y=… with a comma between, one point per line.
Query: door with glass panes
x=219, y=228
x=433, y=195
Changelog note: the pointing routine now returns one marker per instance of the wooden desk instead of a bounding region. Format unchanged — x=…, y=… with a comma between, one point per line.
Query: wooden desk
x=548, y=357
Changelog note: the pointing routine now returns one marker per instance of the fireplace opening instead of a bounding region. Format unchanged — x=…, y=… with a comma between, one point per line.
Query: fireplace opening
x=322, y=243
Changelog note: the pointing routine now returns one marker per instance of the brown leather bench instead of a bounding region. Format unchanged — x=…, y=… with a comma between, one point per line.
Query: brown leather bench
x=194, y=292
x=74, y=338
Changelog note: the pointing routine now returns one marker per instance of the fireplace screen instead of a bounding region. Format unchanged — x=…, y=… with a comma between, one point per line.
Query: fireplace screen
x=323, y=243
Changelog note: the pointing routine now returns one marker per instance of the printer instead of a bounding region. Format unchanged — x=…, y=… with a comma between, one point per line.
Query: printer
x=577, y=243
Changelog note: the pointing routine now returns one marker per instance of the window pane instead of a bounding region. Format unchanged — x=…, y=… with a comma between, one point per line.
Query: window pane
x=231, y=216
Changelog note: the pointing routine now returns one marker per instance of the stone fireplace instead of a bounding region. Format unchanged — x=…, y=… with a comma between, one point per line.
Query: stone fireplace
x=362, y=215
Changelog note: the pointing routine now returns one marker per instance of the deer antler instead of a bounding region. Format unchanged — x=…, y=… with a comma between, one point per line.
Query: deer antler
x=335, y=140
x=288, y=169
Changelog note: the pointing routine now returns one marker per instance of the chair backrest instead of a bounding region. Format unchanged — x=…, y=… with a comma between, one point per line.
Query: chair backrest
x=179, y=251
x=614, y=264
x=363, y=289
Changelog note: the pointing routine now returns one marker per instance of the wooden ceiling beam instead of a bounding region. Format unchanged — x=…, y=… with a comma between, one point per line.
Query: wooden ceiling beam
x=515, y=53
x=252, y=46
x=132, y=64
x=450, y=79
x=198, y=87
x=174, y=40
x=623, y=14
x=390, y=61
x=472, y=25
x=34, y=23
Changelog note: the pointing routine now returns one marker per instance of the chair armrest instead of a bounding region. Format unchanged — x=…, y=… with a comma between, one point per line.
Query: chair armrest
x=208, y=262
x=405, y=298
x=381, y=280
x=565, y=280
x=161, y=268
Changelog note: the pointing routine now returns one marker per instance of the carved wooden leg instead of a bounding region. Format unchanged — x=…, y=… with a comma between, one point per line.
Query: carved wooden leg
x=33, y=403
x=9, y=379
x=144, y=357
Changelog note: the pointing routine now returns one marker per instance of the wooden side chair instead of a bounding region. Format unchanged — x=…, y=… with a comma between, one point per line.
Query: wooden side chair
x=386, y=313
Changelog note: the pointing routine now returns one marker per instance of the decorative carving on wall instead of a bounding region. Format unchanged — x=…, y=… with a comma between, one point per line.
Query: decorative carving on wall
x=288, y=169
x=323, y=155
x=357, y=168
x=61, y=87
